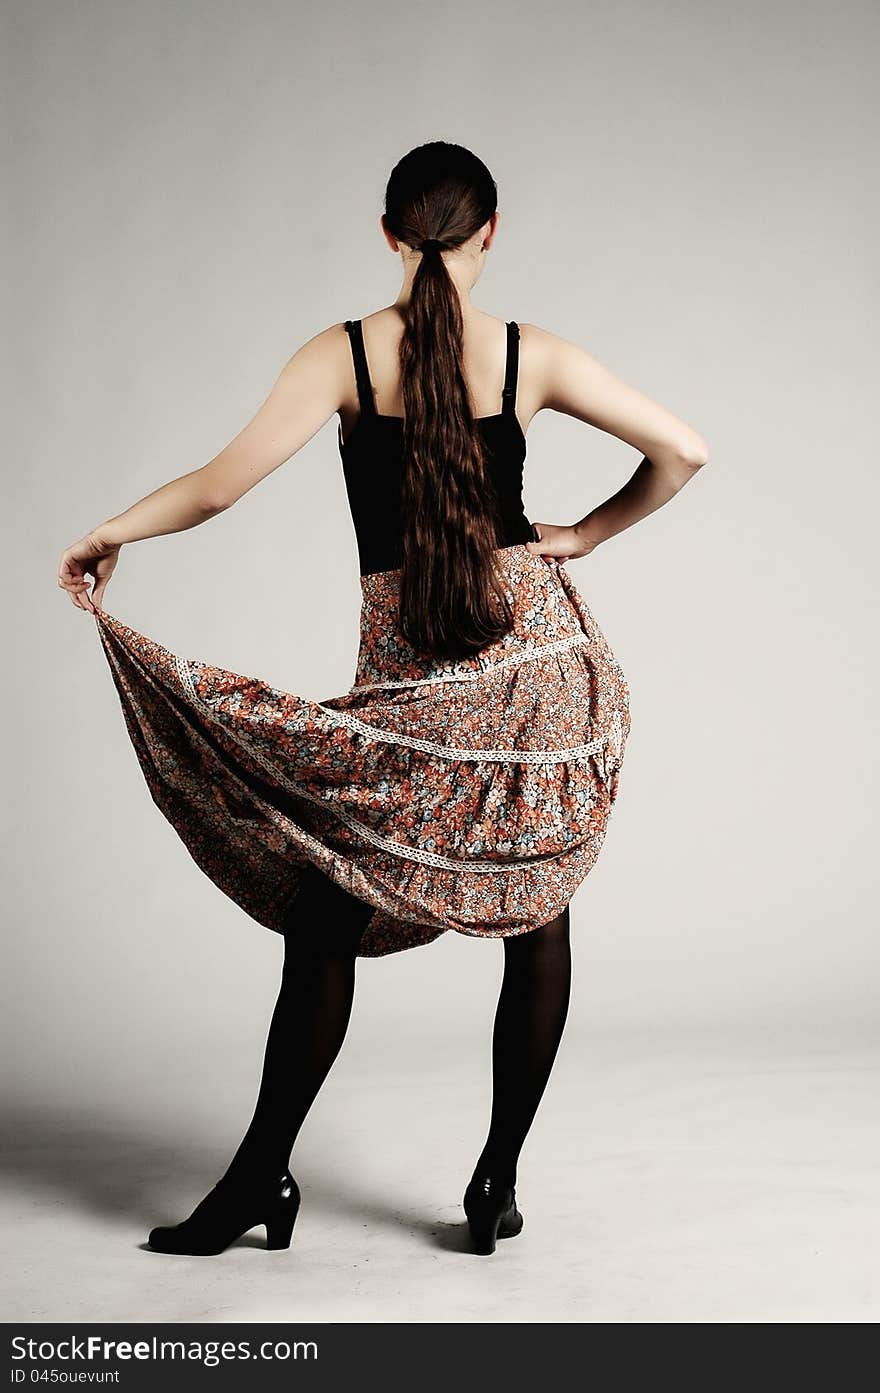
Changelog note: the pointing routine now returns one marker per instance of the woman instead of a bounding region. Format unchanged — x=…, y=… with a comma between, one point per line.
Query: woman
x=466, y=779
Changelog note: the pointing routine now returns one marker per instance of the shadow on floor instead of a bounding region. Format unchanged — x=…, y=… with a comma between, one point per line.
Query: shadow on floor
x=115, y=1167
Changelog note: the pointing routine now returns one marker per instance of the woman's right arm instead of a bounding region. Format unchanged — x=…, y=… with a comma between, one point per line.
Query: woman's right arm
x=305, y=395
x=570, y=380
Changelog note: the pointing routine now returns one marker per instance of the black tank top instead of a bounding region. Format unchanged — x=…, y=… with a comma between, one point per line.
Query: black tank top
x=372, y=463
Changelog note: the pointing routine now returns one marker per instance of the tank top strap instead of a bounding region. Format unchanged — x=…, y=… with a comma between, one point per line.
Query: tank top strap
x=508, y=395
x=366, y=399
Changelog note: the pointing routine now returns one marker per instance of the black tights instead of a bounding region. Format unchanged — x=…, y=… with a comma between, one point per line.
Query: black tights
x=529, y=1020
x=314, y=1007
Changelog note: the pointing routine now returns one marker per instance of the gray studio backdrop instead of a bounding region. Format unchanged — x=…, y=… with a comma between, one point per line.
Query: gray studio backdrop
x=684, y=192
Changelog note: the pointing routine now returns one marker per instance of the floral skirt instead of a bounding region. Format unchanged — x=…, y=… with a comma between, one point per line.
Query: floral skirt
x=470, y=795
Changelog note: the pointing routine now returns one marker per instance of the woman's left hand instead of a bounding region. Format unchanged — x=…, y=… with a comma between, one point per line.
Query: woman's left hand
x=559, y=543
x=88, y=557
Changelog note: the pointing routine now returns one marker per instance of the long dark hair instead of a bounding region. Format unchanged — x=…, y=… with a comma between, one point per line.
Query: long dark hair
x=452, y=600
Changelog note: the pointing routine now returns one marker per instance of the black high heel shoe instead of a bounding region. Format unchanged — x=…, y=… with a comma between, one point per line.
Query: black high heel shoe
x=490, y=1206
x=228, y=1211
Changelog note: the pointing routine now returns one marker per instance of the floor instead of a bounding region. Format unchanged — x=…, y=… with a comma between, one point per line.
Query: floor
x=698, y=1177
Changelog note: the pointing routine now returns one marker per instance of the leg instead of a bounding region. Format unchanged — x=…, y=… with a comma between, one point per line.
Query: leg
x=307, y=1030
x=532, y=1009
x=309, y=1022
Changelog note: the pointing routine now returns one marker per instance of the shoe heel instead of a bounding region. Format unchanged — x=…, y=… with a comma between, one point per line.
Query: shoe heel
x=491, y=1211
x=282, y=1217
x=279, y=1231
x=484, y=1232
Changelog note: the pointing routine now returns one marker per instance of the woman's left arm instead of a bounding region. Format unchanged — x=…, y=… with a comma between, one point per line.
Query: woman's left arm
x=303, y=398
x=570, y=380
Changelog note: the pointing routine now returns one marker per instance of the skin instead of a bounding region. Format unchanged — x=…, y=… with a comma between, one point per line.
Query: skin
x=318, y=383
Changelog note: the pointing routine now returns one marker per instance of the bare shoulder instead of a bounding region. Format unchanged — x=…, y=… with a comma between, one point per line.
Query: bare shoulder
x=544, y=346
x=546, y=359
x=565, y=377
x=320, y=365
x=562, y=370
x=322, y=347
x=534, y=333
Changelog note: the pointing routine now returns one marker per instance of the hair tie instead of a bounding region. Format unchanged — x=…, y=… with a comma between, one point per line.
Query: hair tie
x=431, y=244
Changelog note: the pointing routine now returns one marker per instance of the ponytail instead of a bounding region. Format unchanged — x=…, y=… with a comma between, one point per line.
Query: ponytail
x=453, y=601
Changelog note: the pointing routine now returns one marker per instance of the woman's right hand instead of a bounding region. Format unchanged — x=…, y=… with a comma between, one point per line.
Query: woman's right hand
x=90, y=556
